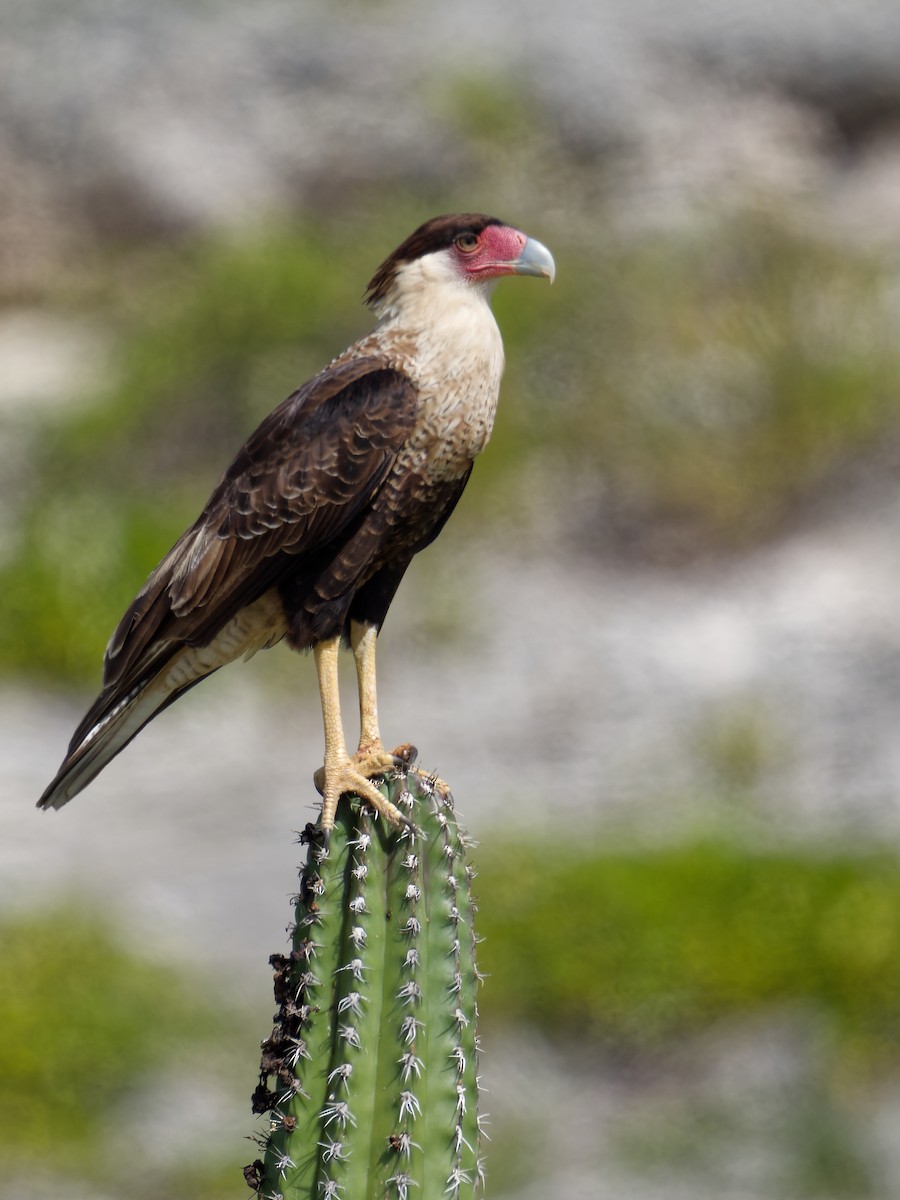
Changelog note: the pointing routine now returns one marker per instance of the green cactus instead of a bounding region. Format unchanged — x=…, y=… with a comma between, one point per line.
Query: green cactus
x=373, y=1058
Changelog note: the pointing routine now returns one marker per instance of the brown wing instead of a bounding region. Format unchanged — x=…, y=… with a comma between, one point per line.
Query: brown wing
x=304, y=475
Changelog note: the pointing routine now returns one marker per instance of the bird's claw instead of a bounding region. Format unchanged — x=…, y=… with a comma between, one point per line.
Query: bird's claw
x=374, y=763
x=404, y=755
x=355, y=775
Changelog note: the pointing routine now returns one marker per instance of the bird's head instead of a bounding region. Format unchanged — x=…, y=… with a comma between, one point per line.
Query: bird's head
x=467, y=249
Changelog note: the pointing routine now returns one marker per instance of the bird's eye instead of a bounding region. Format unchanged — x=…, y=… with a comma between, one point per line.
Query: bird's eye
x=467, y=242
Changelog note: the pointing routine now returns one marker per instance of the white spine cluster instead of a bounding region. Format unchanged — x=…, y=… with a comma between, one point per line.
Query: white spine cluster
x=454, y=841
x=425, y=899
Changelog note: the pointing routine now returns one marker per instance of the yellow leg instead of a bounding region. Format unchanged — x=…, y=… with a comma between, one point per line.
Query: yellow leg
x=341, y=773
x=363, y=639
x=326, y=656
x=371, y=757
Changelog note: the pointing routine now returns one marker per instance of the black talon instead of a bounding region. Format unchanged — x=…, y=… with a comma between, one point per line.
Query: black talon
x=404, y=755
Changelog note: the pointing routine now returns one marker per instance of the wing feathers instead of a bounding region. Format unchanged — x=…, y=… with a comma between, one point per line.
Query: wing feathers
x=307, y=472
x=119, y=713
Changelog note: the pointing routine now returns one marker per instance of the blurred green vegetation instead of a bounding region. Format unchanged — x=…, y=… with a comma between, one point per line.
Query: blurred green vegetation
x=694, y=389
x=809, y=1144
x=86, y=1024
x=636, y=950
x=691, y=388
x=629, y=953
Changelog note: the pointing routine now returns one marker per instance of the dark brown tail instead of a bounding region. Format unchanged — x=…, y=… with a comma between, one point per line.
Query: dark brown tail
x=108, y=726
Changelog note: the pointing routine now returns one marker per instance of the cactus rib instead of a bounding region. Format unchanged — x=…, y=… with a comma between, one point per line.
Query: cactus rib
x=373, y=1058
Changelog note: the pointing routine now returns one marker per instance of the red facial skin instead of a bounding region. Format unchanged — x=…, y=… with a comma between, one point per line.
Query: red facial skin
x=495, y=253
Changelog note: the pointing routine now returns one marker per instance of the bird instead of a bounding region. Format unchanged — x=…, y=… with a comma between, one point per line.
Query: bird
x=308, y=533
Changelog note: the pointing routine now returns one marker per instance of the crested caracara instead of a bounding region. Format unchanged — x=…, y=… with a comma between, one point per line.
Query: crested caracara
x=307, y=535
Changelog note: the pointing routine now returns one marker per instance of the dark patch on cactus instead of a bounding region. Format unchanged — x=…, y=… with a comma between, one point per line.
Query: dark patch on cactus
x=370, y=1074
x=254, y=1174
x=309, y=833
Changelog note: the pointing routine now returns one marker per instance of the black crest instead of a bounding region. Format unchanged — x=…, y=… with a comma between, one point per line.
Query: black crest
x=436, y=234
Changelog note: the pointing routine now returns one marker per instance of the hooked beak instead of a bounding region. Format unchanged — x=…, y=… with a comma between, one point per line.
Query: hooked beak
x=535, y=259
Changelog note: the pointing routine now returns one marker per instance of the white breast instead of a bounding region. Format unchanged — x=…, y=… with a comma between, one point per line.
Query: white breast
x=452, y=349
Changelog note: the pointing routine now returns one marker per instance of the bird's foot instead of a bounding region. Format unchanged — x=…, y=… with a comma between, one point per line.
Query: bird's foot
x=442, y=788
x=374, y=760
x=355, y=775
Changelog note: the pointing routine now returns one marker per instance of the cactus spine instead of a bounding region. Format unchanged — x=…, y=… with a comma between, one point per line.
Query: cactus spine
x=373, y=1058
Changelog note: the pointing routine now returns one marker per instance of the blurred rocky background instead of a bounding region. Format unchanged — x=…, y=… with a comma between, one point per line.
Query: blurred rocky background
x=656, y=653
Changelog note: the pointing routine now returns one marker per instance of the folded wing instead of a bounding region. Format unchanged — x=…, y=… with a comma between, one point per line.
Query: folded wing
x=305, y=476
